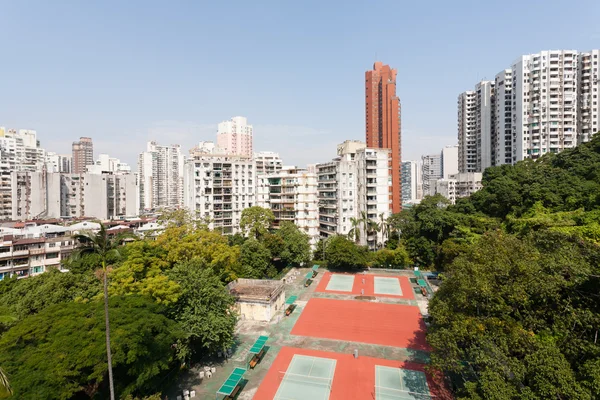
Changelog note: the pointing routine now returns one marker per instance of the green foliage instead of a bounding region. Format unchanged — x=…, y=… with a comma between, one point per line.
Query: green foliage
x=296, y=245
x=386, y=258
x=255, y=221
x=203, y=310
x=60, y=352
x=342, y=253
x=256, y=260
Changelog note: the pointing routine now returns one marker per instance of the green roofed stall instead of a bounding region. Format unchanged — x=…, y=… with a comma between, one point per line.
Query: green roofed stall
x=315, y=267
x=422, y=282
x=309, y=275
x=291, y=300
x=231, y=383
x=418, y=274
x=259, y=344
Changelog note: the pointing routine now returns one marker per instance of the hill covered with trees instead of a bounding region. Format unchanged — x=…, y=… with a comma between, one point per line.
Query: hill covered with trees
x=518, y=312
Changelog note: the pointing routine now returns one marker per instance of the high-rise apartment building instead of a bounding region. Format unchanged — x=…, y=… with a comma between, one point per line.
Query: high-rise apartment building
x=160, y=173
x=545, y=103
x=588, y=71
x=411, y=185
x=431, y=167
x=383, y=123
x=267, y=162
x=83, y=155
x=105, y=163
x=235, y=137
x=58, y=162
x=353, y=184
x=218, y=187
x=449, y=161
x=292, y=196
x=459, y=185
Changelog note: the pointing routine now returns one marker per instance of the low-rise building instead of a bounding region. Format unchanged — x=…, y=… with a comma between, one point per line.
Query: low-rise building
x=33, y=249
x=257, y=299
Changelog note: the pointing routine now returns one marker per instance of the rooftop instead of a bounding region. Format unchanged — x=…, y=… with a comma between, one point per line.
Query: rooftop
x=255, y=289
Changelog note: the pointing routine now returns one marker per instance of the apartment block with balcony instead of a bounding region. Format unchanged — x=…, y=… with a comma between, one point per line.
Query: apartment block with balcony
x=33, y=249
x=292, y=196
x=374, y=197
x=160, y=172
x=219, y=187
x=267, y=162
x=467, y=138
x=588, y=95
x=502, y=141
x=459, y=185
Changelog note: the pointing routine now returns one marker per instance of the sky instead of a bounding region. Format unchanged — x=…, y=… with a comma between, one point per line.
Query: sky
x=128, y=72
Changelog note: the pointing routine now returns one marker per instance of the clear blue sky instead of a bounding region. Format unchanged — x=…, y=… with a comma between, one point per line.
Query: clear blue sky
x=130, y=71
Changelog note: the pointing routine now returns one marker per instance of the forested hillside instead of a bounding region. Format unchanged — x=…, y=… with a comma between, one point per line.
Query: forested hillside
x=518, y=312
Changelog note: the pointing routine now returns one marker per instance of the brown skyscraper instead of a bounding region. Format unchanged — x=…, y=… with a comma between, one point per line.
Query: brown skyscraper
x=383, y=122
x=83, y=155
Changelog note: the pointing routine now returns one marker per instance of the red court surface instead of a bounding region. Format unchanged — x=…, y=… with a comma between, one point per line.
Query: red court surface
x=368, y=286
x=354, y=378
x=396, y=325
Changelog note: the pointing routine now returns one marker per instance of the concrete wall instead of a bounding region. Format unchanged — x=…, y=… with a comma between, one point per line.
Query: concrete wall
x=258, y=311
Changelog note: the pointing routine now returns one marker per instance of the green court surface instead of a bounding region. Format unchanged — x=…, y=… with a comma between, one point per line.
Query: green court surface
x=340, y=283
x=400, y=384
x=230, y=384
x=387, y=286
x=307, y=378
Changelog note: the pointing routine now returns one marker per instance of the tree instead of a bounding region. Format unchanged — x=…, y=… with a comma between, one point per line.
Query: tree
x=386, y=258
x=105, y=248
x=296, y=245
x=383, y=228
x=354, y=232
x=255, y=221
x=204, y=310
x=341, y=253
x=59, y=352
x=256, y=260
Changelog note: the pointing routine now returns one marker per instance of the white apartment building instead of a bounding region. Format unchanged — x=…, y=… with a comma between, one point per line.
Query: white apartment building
x=484, y=103
x=545, y=103
x=160, y=172
x=235, y=137
x=589, y=91
x=267, y=162
x=292, y=196
x=219, y=187
x=33, y=249
x=502, y=132
x=449, y=161
x=105, y=163
x=431, y=171
x=374, y=182
x=459, y=185
x=411, y=182
x=355, y=184
x=58, y=162
x=467, y=138
x=38, y=195
x=21, y=150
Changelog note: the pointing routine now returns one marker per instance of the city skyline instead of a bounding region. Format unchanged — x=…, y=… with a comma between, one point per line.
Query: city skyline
x=137, y=83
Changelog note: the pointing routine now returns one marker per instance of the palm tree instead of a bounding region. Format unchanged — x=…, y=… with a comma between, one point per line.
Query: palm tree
x=354, y=233
x=4, y=383
x=373, y=227
x=106, y=248
x=384, y=228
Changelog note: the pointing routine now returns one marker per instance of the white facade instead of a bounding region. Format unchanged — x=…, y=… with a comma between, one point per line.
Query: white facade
x=38, y=195
x=589, y=93
x=502, y=133
x=467, y=138
x=411, y=182
x=267, y=162
x=21, y=150
x=459, y=185
x=292, y=196
x=105, y=163
x=219, y=187
x=160, y=171
x=545, y=103
x=58, y=162
x=449, y=161
x=431, y=166
x=235, y=137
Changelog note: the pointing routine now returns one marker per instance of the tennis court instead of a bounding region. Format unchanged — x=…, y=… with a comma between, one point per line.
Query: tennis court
x=400, y=384
x=341, y=283
x=307, y=378
x=385, y=324
x=387, y=286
